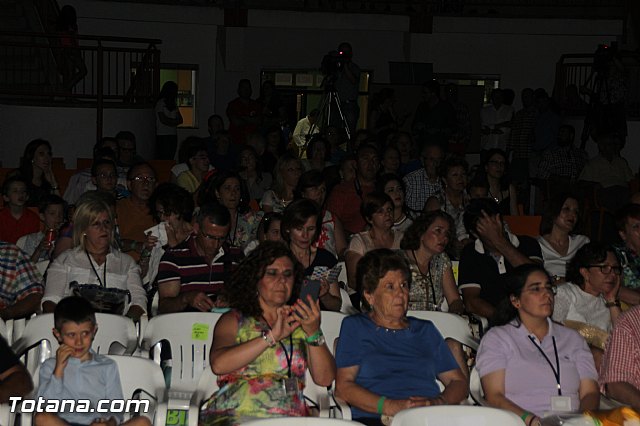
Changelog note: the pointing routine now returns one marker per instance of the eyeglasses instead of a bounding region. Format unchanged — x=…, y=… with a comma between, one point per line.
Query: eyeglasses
x=213, y=237
x=539, y=289
x=161, y=213
x=606, y=269
x=144, y=179
x=497, y=163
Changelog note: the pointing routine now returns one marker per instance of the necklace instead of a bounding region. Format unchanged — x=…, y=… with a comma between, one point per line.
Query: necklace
x=497, y=199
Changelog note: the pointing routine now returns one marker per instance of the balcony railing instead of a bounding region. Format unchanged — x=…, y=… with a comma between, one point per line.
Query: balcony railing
x=118, y=69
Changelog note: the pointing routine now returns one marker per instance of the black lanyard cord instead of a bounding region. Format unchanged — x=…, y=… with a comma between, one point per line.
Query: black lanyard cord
x=288, y=355
x=556, y=371
x=103, y=282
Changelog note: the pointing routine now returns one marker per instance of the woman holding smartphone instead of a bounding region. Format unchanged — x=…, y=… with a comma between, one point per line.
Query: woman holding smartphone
x=300, y=228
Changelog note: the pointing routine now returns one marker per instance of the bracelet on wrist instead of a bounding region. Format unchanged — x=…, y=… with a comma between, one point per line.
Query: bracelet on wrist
x=268, y=337
x=314, y=337
x=531, y=420
x=524, y=416
x=612, y=303
x=381, y=404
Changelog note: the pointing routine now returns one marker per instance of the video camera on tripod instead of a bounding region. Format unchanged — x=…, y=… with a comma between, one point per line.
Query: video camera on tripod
x=333, y=62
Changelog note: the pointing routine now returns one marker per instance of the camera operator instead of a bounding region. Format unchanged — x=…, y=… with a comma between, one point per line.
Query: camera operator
x=347, y=85
x=607, y=112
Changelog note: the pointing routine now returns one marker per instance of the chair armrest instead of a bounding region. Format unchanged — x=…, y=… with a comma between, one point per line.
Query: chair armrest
x=160, y=418
x=342, y=406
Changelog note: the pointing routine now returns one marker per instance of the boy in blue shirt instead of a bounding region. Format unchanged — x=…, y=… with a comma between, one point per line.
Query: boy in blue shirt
x=78, y=373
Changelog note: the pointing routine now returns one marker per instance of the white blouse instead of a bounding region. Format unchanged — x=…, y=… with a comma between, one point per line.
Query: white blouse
x=73, y=265
x=554, y=262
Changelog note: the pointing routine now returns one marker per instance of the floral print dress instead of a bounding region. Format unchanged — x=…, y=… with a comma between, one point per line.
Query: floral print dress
x=256, y=390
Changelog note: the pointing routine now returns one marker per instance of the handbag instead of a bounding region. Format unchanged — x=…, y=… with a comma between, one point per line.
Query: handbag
x=106, y=300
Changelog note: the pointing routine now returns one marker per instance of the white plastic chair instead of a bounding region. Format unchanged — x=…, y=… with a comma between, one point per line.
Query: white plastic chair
x=475, y=388
x=451, y=326
x=455, y=415
x=207, y=385
x=116, y=334
x=189, y=335
x=142, y=379
x=347, y=307
x=300, y=421
x=330, y=323
x=3, y=331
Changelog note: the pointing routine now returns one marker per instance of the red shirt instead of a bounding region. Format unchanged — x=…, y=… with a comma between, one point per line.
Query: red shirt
x=11, y=228
x=242, y=109
x=344, y=202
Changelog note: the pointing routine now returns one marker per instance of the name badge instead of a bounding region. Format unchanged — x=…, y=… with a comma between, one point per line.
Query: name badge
x=288, y=387
x=560, y=404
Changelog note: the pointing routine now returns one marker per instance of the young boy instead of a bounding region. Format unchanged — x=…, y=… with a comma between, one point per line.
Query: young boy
x=78, y=373
x=36, y=245
x=16, y=219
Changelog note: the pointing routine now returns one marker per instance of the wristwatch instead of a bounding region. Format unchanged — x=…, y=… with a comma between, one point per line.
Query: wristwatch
x=612, y=303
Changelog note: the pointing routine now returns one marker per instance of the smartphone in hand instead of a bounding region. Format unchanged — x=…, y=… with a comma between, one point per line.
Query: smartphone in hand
x=310, y=287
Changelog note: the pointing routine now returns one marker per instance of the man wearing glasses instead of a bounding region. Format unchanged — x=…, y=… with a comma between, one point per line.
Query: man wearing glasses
x=191, y=276
x=133, y=212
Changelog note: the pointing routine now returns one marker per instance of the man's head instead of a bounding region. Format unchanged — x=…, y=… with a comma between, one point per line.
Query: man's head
x=367, y=162
x=609, y=145
x=141, y=181
x=628, y=225
x=212, y=227
x=127, y=147
x=475, y=210
x=104, y=175
x=52, y=211
x=215, y=124
x=75, y=325
x=431, y=91
x=14, y=191
x=244, y=89
x=496, y=98
x=107, y=142
x=566, y=134
x=528, y=100
x=313, y=116
x=431, y=157
x=345, y=50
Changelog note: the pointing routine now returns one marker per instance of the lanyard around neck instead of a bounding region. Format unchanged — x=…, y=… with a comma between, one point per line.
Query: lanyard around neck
x=103, y=281
x=287, y=354
x=556, y=371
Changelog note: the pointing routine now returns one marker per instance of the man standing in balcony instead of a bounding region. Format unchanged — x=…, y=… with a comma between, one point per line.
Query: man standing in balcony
x=245, y=114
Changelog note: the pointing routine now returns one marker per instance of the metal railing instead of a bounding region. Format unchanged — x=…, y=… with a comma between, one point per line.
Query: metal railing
x=578, y=70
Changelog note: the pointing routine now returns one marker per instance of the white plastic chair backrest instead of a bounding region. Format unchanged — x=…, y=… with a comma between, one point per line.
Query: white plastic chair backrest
x=316, y=396
x=346, y=308
x=140, y=378
x=455, y=415
x=342, y=276
x=300, y=421
x=475, y=388
x=330, y=323
x=5, y=415
x=449, y=325
x=116, y=333
x=42, y=266
x=3, y=331
x=189, y=335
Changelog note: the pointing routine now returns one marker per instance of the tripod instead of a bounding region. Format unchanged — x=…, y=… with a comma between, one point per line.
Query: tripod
x=329, y=105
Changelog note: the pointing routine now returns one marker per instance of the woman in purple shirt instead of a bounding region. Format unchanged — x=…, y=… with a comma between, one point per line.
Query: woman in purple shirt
x=529, y=364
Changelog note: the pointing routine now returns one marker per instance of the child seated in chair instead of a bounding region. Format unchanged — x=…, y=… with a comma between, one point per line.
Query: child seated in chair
x=78, y=373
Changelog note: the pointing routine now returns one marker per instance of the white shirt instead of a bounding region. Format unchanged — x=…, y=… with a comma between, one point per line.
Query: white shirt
x=490, y=117
x=73, y=265
x=301, y=130
x=554, y=262
x=572, y=303
x=163, y=129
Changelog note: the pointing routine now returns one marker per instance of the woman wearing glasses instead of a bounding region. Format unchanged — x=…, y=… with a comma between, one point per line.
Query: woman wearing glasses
x=589, y=302
x=527, y=363
x=94, y=259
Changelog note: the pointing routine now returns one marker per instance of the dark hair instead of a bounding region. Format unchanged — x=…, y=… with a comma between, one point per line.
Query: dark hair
x=126, y=135
x=67, y=19
x=131, y=174
x=589, y=254
x=11, y=180
x=296, y=214
x=504, y=181
x=173, y=199
x=101, y=162
x=267, y=220
x=366, y=146
x=433, y=86
x=208, y=190
x=309, y=179
x=513, y=283
x=624, y=213
x=373, y=266
x=242, y=289
x=373, y=202
x=73, y=309
x=474, y=210
x=415, y=231
x=478, y=181
x=51, y=200
x=185, y=151
x=101, y=145
x=169, y=93
x=215, y=213
x=449, y=162
x=315, y=140
x=384, y=179
x=26, y=162
x=193, y=148
x=553, y=210
x=256, y=157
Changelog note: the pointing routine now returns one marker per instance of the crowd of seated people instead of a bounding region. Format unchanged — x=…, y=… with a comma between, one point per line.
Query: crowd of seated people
x=247, y=216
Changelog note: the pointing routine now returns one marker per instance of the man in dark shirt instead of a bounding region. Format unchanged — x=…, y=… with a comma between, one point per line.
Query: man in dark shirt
x=495, y=252
x=14, y=378
x=191, y=276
